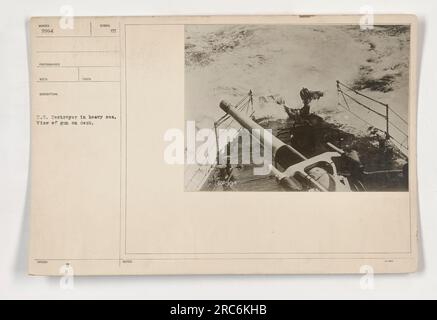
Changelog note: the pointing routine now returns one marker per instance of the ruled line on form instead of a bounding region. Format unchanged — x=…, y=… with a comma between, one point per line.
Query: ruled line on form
x=56, y=66
x=79, y=51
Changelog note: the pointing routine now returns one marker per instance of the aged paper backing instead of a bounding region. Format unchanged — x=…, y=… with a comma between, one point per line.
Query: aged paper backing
x=104, y=201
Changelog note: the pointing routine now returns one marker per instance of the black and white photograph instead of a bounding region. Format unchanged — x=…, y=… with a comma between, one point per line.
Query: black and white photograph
x=322, y=107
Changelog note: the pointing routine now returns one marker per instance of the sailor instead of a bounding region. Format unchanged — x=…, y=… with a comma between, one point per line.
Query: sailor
x=225, y=176
x=353, y=162
x=306, y=97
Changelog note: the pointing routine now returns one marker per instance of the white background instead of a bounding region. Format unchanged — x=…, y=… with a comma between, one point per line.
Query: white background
x=14, y=163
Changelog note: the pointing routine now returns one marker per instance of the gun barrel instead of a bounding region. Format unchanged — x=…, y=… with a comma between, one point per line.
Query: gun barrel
x=283, y=154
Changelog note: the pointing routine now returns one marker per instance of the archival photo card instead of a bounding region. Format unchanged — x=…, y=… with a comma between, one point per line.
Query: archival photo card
x=223, y=145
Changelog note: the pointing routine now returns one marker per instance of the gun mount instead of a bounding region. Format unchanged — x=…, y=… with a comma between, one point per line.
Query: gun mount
x=292, y=169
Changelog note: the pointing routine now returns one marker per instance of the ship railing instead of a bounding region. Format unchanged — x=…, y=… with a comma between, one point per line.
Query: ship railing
x=199, y=174
x=393, y=121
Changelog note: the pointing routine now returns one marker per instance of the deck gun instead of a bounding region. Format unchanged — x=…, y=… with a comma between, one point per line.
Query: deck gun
x=292, y=169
